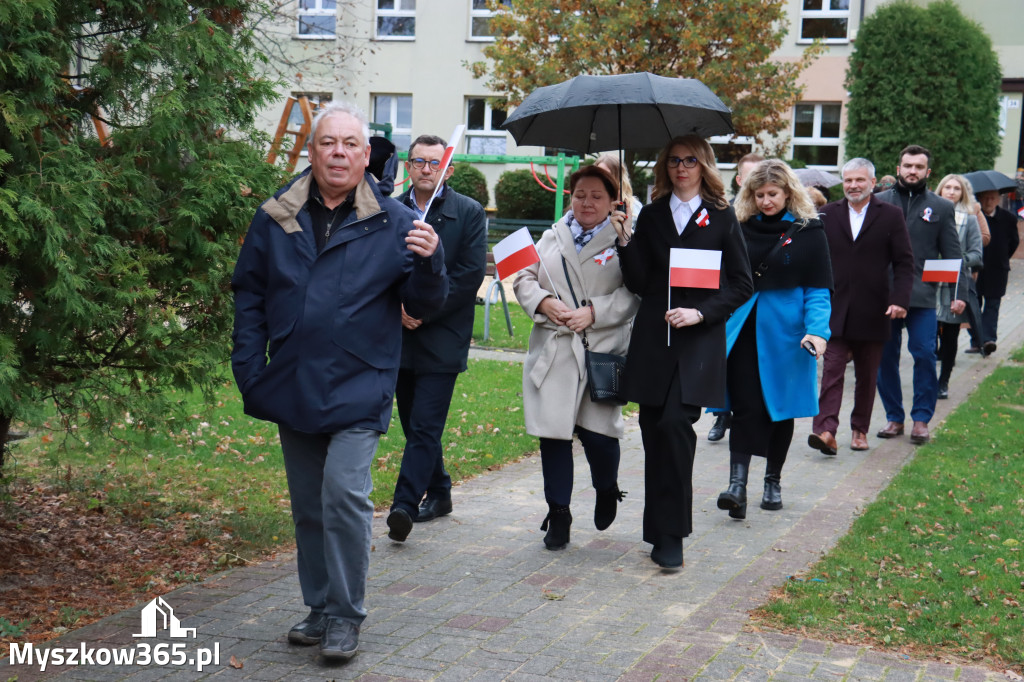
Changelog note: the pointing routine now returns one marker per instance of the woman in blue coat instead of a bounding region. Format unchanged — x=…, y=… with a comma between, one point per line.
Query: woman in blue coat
x=775, y=338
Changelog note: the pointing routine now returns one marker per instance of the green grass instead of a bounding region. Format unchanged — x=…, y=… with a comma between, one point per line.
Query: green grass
x=223, y=471
x=937, y=561
x=499, y=338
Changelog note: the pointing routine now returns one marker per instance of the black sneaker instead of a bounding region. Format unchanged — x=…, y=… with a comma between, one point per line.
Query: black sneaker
x=310, y=630
x=340, y=641
x=988, y=348
x=399, y=524
x=943, y=391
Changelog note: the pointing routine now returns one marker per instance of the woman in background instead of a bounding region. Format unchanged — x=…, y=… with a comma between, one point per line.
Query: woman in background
x=610, y=164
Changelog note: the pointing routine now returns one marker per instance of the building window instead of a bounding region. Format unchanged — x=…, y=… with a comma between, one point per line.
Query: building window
x=317, y=18
x=396, y=110
x=396, y=19
x=816, y=134
x=730, y=148
x=828, y=20
x=483, y=125
x=480, y=18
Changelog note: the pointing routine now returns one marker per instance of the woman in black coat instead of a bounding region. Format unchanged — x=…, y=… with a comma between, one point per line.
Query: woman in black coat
x=676, y=359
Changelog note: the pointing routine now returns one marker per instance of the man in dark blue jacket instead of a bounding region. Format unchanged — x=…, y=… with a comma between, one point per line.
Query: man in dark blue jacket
x=435, y=347
x=326, y=267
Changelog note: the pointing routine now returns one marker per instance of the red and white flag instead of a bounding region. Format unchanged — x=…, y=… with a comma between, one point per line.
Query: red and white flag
x=446, y=161
x=698, y=268
x=946, y=270
x=1020, y=213
x=514, y=252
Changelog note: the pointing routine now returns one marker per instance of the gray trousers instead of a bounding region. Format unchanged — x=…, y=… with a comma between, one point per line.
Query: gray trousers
x=329, y=483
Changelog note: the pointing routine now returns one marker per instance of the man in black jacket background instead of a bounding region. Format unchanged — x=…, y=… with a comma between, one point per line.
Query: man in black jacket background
x=435, y=348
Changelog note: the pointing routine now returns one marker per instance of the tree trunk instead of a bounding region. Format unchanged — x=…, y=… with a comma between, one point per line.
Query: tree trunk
x=5, y=425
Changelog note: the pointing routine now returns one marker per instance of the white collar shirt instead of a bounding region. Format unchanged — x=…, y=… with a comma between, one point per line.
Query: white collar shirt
x=857, y=219
x=682, y=211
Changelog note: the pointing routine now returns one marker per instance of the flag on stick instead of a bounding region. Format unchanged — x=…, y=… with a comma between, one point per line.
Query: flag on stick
x=514, y=252
x=945, y=270
x=698, y=268
x=446, y=161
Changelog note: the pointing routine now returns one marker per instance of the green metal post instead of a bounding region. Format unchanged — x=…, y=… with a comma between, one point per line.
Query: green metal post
x=559, y=185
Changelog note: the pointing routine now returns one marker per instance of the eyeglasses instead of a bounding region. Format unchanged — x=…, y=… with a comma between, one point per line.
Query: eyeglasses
x=418, y=164
x=687, y=161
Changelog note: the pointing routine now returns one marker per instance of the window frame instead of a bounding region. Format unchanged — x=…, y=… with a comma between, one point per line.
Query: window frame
x=816, y=140
x=824, y=13
x=398, y=12
x=485, y=13
x=319, y=11
x=734, y=139
x=488, y=131
x=396, y=130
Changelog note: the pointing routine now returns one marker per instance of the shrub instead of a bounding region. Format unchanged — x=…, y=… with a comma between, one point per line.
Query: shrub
x=468, y=180
x=518, y=195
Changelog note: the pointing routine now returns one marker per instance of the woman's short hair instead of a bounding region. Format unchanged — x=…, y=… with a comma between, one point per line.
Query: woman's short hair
x=817, y=197
x=966, y=190
x=594, y=172
x=712, y=189
x=774, y=172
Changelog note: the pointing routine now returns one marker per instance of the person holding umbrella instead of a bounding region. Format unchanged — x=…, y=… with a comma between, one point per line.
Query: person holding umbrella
x=996, y=266
x=670, y=378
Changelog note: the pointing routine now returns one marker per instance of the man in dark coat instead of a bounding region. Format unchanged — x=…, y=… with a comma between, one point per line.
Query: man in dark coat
x=866, y=237
x=933, y=235
x=435, y=347
x=326, y=267
x=996, y=266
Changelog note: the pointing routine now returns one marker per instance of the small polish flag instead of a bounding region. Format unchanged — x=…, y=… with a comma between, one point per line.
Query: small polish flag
x=446, y=161
x=1020, y=213
x=703, y=218
x=947, y=270
x=698, y=268
x=514, y=252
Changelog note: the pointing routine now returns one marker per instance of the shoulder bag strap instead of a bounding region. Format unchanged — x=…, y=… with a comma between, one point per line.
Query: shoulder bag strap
x=763, y=267
x=568, y=279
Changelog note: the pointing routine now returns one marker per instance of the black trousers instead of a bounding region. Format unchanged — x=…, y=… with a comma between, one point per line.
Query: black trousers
x=669, y=446
x=556, y=463
x=423, y=402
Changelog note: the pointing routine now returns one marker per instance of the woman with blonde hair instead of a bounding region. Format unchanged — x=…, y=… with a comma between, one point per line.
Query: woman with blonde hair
x=676, y=358
x=610, y=163
x=969, y=219
x=775, y=338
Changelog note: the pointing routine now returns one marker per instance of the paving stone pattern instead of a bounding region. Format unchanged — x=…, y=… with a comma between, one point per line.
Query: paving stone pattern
x=476, y=596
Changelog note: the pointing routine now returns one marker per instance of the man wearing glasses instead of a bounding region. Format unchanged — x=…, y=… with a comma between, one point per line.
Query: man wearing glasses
x=435, y=347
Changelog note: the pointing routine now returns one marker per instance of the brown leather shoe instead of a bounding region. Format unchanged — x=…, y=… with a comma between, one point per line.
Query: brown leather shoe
x=823, y=441
x=891, y=430
x=919, y=434
x=859, y=441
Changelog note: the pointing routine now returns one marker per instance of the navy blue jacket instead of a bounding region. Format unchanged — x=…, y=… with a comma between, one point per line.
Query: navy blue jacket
x=330, y=323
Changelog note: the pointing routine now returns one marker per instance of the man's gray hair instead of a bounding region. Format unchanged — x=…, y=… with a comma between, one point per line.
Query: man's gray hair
x=859, y=163
x=341, y=107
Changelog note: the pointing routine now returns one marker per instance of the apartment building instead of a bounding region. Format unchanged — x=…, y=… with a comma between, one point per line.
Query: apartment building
x=405, y=63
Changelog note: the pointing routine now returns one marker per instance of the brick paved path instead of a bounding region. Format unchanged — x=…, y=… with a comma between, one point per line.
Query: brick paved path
x=475, y=596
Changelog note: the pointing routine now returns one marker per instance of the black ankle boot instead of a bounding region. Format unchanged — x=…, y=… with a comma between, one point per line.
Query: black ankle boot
x=668, y=552
x=735, y=497
x=772, y=499
x=606, y=506
x=556, y=523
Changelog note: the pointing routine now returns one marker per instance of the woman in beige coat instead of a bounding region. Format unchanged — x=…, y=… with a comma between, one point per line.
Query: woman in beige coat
x=555, y=395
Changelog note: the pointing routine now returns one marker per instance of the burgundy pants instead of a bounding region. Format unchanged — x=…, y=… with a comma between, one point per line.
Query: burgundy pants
x=867, y=355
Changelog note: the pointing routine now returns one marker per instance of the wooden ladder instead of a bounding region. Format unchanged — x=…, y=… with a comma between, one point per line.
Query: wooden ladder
x=301, y=134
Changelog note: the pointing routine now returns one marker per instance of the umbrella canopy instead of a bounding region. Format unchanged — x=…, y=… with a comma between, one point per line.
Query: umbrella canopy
x=812, y=177
x=592, y=114
x=990, y=180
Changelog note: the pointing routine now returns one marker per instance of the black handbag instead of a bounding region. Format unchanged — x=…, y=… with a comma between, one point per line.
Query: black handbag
x=604, y=370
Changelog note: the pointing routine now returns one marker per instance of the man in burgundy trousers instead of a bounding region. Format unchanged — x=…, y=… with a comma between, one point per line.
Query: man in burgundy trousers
x=866, y=238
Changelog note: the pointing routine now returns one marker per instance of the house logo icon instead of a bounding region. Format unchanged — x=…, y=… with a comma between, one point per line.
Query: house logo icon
x=158, y=614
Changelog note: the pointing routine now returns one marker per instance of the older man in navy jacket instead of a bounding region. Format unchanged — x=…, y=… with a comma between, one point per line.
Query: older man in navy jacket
x=326, y=267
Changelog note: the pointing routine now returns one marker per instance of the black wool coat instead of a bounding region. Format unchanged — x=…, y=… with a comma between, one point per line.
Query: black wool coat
x=996, y=256
x=696, y=353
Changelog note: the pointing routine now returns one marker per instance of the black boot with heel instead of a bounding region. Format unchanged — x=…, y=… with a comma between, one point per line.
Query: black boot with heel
x=734, y=498
x=556, y=523
x=772, y=499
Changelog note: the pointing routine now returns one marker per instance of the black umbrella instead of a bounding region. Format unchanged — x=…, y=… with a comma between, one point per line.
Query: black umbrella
x=591, y=114
x=990, y=181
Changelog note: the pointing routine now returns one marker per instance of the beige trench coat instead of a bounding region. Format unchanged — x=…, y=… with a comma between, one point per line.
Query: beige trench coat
x=555, y=394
